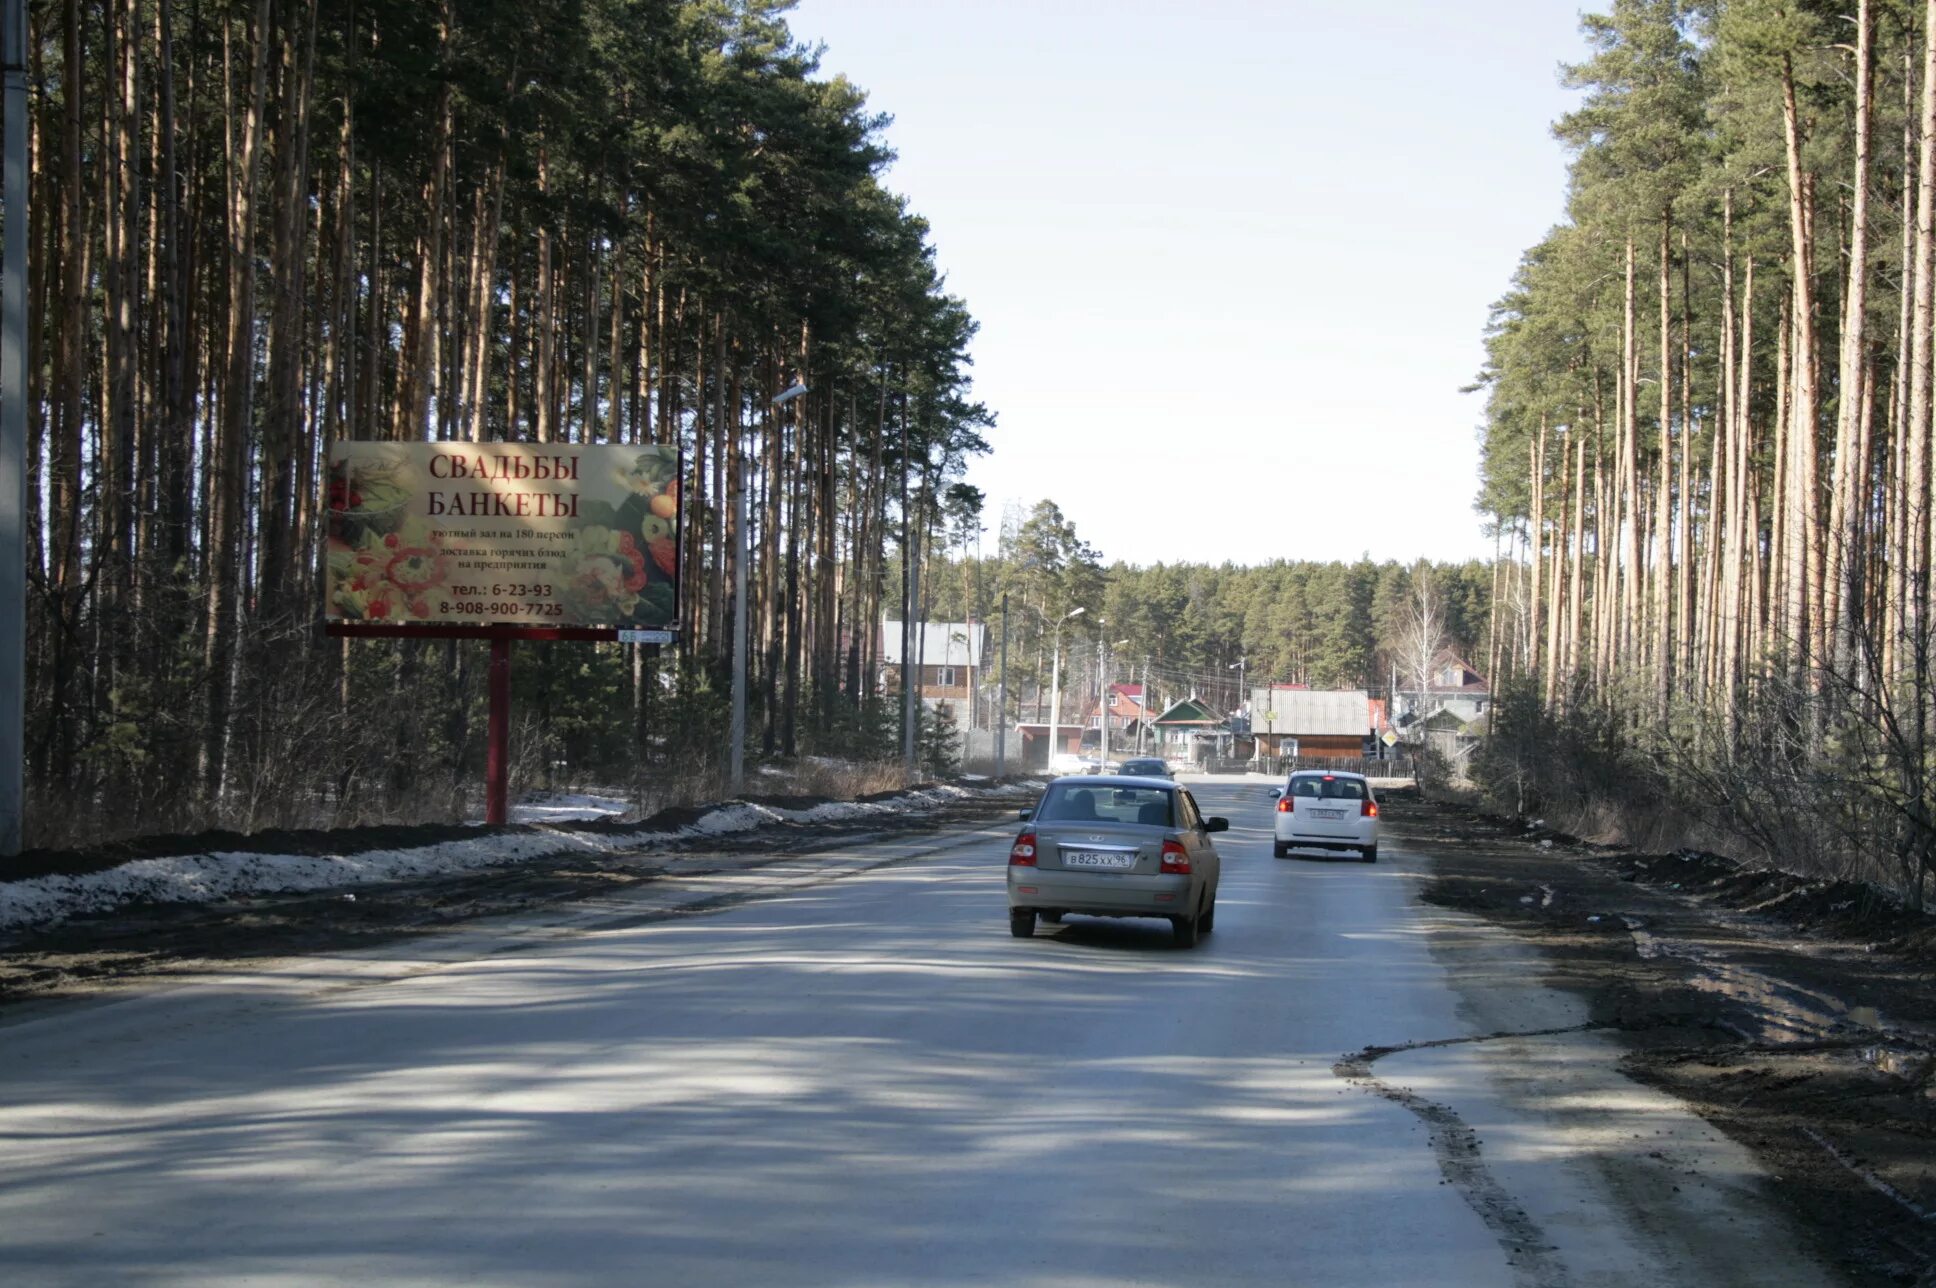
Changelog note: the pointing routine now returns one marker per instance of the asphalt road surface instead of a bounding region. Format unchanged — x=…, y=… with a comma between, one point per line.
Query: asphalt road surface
x=867, y=1082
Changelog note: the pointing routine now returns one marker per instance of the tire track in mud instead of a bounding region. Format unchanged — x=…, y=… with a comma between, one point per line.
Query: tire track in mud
x=1461, y=1162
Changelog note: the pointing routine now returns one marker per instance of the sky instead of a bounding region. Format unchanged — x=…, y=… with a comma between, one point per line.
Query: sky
x=1232, y=259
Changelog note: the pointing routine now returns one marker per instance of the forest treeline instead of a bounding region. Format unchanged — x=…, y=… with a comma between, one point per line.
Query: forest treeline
x=1188, y=626
x=261, y=226
x=1708, y=443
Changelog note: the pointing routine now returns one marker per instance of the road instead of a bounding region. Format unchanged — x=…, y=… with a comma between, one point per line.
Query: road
x=868, y=1082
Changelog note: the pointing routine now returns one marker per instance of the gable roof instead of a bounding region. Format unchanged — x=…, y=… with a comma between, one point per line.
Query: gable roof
x=936, y=643
x=1469, y=679
x=1189, y=712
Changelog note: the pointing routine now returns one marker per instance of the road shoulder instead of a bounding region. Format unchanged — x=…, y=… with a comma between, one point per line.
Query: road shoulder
x=332, y=939
x=1806, y=1050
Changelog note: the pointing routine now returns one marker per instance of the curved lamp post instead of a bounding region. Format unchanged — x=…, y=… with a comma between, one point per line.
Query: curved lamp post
x=1055, y=687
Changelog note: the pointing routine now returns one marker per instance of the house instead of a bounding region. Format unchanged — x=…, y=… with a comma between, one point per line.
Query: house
x=1126, y=716
x=1320, y=724
x=1452, y=685
x=949, y=655
x=1193, y=732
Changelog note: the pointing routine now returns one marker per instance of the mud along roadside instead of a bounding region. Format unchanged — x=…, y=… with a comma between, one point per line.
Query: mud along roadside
x=176, y=942
x=1799, y=1019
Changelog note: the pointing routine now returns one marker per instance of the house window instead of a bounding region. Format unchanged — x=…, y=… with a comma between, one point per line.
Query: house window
x=944, y=677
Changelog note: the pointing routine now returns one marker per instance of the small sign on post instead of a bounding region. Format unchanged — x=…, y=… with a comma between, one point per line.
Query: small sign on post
x=1390, y=739
x=644, y=637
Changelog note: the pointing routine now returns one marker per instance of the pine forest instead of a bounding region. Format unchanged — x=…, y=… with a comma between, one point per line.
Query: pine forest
x=1707, y=450
x=260, y=226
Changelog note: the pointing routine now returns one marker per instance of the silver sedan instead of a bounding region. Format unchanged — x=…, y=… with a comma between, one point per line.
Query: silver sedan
x=1115, y=846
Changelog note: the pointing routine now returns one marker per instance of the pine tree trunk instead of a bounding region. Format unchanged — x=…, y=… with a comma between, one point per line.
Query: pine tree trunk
x=227, y=499
x=1663, y=632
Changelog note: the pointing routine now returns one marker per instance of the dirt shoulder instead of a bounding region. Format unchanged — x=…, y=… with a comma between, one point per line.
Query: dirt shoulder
x=144, y=941
x=1799, y=1017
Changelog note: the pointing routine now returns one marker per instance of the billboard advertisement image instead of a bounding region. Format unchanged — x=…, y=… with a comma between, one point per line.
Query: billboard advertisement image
x=503, y=534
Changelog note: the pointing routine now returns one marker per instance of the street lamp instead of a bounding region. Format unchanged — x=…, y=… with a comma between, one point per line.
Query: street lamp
x=736, y=750
x=1102, y=700
x=1243, y=697
x=1055, y=686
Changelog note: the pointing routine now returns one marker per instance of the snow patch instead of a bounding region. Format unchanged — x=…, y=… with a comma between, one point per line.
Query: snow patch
x=206, y=878
x=568, y=807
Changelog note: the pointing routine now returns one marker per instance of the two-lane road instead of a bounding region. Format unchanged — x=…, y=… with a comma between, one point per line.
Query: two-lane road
x=867, y=1082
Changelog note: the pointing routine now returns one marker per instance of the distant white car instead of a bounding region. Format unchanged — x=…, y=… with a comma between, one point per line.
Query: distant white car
x=1321, y=811
x=1067, y=762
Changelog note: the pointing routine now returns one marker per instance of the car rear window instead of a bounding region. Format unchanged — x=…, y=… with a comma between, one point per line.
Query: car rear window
x=1152, y=806
x=1334, y=789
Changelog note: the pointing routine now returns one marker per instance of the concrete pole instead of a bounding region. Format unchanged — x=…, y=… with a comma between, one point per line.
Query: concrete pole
x=1102, y=704
x=13, y=432
x=736, y=731
x=915, y=635
x=1055, y=699
x=1001, y=701
x=1143, y=724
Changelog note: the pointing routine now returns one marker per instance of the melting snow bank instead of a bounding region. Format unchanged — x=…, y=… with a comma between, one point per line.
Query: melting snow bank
x=206, y=878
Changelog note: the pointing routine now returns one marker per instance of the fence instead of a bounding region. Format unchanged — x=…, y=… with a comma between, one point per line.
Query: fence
x=1369, y=766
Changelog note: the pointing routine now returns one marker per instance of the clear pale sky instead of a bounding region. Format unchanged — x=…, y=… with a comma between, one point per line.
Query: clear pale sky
x=1231, y=258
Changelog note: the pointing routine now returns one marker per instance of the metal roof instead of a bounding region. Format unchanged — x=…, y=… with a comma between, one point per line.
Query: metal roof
x=936, y=643
x=1310, y=713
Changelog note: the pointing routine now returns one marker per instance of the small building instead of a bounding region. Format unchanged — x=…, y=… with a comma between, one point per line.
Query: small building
x=949, y=655
x=1032, y=747
x=1310, y=724
x=1192, y=732
x=1452, y=685
x=1126, y=716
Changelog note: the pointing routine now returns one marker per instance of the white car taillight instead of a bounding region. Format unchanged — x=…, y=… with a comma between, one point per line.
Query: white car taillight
x=1175, y=857
x=1022, y=853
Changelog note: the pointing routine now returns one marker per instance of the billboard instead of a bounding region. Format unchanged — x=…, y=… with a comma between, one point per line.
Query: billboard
x=496, y=534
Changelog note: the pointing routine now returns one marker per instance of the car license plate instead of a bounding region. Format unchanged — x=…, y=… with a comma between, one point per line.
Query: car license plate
x=1328, y=813
x=1097, y=859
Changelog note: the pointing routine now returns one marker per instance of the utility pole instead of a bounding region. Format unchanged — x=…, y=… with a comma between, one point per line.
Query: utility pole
x=1144, y=723
x=911, y=655
x=13, y=432
x=1055, y=690
x=1102, y=703
x=736, y=732
x=1001, y=701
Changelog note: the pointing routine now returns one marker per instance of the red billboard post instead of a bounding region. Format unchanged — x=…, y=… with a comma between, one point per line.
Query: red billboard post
x=503, y=541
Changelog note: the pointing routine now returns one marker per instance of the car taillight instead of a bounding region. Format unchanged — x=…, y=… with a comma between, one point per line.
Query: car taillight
x=1175, y=857
x=1370, y=809
x=1284, y=805
x=1022, y=853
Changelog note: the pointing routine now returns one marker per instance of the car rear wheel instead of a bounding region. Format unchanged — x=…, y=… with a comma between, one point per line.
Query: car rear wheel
x=1371, y=854
x=1021, y=922
x=1187, y=931
x=1279, y=849
x=1209, y=920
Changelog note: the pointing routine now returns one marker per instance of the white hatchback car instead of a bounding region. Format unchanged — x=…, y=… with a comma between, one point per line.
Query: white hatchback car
x=1321, y=811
